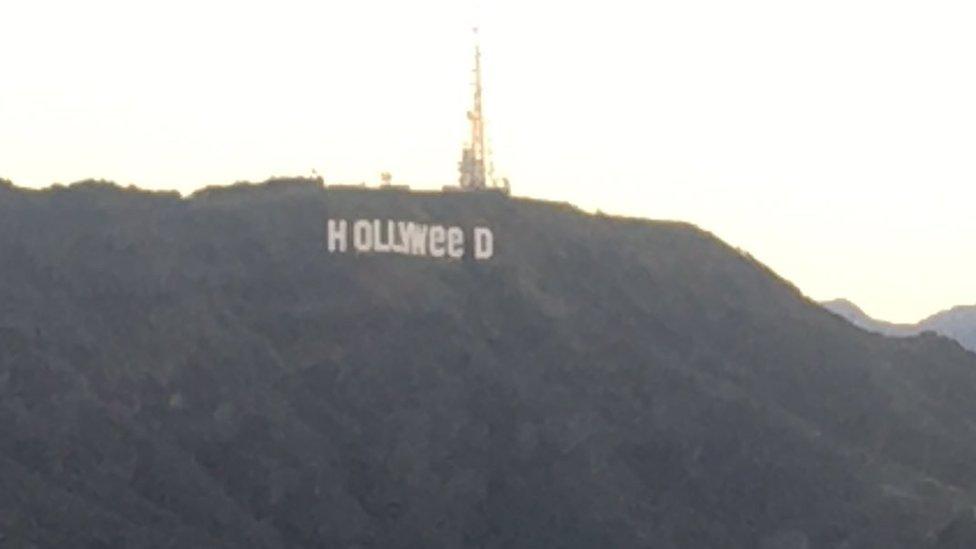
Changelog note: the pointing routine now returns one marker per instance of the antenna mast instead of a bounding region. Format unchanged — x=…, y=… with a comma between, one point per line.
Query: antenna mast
x=477, y=172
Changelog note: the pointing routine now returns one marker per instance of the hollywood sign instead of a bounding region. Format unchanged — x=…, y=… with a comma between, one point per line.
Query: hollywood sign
x=408, y=238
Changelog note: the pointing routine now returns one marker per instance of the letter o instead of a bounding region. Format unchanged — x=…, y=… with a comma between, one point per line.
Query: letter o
x=362, y=235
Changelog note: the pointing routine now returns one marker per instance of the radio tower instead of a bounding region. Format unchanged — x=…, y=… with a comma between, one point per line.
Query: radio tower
x=477, y=172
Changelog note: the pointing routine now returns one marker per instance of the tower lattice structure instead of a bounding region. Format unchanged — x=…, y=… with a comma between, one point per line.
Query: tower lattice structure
x=477, y=172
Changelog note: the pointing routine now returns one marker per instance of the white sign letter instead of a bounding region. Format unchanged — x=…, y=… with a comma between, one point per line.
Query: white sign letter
x=455, y=243
x=337, y=235
x=418, y=238
x=362, y=235
x=436, y=245
x=400, y=242
x=484, y=243
x=378, y=244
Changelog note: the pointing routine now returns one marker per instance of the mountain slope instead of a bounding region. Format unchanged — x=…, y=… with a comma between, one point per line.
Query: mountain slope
x=958, y=323
x=201, y=372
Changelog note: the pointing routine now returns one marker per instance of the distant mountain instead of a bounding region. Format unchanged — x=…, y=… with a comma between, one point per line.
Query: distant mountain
x=858, y=317
x=958, y=323
x=201, y=373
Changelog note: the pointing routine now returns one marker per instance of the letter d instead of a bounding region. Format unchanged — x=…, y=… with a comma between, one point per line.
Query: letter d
x=484, y=243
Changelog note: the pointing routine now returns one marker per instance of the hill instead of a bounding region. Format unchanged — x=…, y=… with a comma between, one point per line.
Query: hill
x=859, y=318
x=958, y=323
x=201, y=372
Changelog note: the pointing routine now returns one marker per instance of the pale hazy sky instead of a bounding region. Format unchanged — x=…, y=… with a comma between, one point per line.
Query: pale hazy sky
x=834, y=140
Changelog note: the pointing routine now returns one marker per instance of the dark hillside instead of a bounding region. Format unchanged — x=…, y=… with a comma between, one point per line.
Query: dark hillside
x=201, y=372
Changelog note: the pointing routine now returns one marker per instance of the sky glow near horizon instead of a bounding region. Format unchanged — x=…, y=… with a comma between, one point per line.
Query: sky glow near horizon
x=835, y=141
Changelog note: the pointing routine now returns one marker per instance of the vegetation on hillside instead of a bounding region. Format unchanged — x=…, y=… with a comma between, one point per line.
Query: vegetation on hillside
x=200, y=372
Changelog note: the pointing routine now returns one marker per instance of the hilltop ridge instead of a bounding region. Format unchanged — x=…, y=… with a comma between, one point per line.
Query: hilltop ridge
x=958, y=323
x=201, y=372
